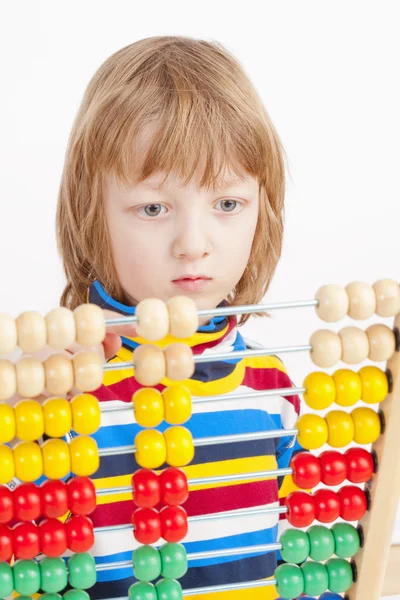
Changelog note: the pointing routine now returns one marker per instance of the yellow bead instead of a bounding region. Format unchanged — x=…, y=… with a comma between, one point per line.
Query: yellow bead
x=29, y=420
x=375, y=386
x=367, y=425
x=84, y=456
x=177, y=404
x=180, y=448
x=7, y=424
x=56, y=459
x=313, y=431
x=340, y=427
x=151, y=450
x=85, y=414
x=7, y=467
x=348, y=387
x=28, y=461
x=57, y=417
x=320, y=390
x=148, y=407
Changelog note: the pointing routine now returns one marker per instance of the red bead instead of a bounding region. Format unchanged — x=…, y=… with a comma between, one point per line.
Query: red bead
x=6, y=505
x=306, y=470
x=26, y=540
x=360, y=465
x=6, y=543
x=54, y=498
x=353, y=503
x=146, y=488
x=53, y=537
x=301, y=509
x=27, y=502
x=327, y=506
x=174, y=525
x=174, y=487
x=147, y=525
x=81, y=495
x=333, y=467
x=80, y=534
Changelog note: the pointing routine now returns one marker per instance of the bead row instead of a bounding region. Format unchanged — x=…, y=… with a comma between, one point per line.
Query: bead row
x=358, y=300
x=352, y=345
x=345, y=387
x=319, y=543
x=52, y=499
x=171, y=524
x=339, y=428
x=151, y=407
x=29, y=420
x=313, y=578
x=350, y=503
x=51, y=537
x=70, y=595
x=174, y=446
x=55, y=459
x=164, y=589
x=150, y=489
x=50, y=575
x=169, y=560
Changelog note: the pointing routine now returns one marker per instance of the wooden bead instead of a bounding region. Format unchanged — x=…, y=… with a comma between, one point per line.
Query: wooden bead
x=31, y=332
x=326, y=348
x=30, y=377
x=179, y=360
x=8, y=379
x=153, y=319
x=387, y=293
x=183, y=317
x=59, y=374
x=149, y=364
x=362, y=300
x=355, y=345
x=8, y=333
x=61, y=330
x=90, y=324
x=88, y=371
x=382, y=342
x=333, y=303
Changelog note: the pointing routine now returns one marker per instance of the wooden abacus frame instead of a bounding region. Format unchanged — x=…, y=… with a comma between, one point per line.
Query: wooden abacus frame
x=377, y=562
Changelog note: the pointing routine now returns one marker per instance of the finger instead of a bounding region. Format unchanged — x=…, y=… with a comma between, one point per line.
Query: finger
x=129, y=330
x=111, y=344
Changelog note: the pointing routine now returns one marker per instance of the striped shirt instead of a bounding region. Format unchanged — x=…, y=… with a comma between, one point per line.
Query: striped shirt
x=209, y=419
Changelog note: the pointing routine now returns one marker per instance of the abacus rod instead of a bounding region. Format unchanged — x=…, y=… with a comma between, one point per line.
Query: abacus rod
x=123, y=564
x=206, y=441
x=226, y=311
x=199, y=518
x=206, y=358
x=210, y=480
x=201, y=399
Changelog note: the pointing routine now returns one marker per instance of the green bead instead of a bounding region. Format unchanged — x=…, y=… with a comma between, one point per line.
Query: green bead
x=290, y=581
x=146, y=563
x=6, y=580
x=26, y=597
x=51, y=596
x=322, y=542
x=53, y=573
x=340, y=575
x=26, y=577
x=76, y=595
x=169, y=589
x=316, y=579
x=174, y=563
x=82, y=571
x=295, y=546
x=347, y=540
x=142, y=591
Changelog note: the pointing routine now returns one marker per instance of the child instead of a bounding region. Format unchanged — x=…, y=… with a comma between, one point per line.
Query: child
x=173, y=184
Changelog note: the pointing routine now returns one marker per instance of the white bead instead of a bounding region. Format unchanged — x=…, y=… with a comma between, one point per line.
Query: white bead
x=8, y=379
x=326, y=348
x=387, y=293
x=61, y=330
x=31, y=329
x=183, y=317
x=362, y=300
x=153, y=319
x=8, y=333
x=30, y=377
x=355, y=345
x=333, y=303
x=90, y=324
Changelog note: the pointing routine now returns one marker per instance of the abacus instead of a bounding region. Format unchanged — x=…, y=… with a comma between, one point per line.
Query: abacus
x=361, y=552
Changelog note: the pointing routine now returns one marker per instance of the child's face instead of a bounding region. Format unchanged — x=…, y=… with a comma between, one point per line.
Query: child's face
x=181, y=240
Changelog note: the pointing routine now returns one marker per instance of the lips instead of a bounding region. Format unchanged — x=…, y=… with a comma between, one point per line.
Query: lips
x=192, y=283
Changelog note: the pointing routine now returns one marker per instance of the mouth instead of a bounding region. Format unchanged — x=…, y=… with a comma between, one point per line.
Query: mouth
x=192, y=283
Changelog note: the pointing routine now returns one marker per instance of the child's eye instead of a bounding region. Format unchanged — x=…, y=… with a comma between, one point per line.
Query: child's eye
x=228, y=205
x=151, y=210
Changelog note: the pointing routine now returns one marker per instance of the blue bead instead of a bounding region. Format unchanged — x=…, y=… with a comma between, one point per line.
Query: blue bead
x=330, y=596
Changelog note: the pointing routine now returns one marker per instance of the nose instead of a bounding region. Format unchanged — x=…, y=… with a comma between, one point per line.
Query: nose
x=191, y=240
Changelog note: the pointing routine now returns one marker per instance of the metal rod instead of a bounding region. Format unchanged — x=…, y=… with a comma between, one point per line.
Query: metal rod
x=200, y=518
x=206, y=358
x=227, y=311
x=207, y=441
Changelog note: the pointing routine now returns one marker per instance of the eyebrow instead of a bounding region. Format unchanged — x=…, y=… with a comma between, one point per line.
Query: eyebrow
x=227, y=183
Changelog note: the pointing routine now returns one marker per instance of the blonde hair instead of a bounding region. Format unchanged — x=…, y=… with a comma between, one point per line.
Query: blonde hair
x=206, y=108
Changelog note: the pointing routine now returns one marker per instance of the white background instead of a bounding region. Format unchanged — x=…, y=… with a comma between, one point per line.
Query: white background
x=328, y=73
